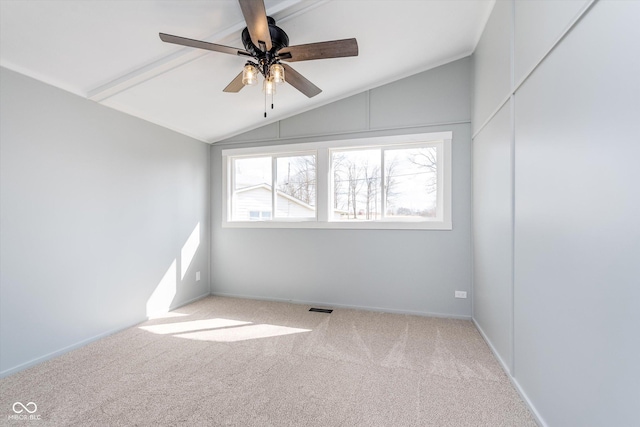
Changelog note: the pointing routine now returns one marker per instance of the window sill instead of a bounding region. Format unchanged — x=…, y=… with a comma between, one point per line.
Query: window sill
x=349, y=225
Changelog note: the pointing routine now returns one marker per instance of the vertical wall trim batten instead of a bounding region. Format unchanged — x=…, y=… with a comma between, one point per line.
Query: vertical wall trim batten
x=368, y=110
x=210, y=219
x=512, y=288
x=512, y=172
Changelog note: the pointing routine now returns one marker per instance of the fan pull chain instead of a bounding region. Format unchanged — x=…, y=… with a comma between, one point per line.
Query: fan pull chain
x=265, y=105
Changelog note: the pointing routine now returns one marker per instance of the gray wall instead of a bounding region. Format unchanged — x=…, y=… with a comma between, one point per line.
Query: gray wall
x=555, y=205
x=394, y=270
x=95, y=209
x=493, y=237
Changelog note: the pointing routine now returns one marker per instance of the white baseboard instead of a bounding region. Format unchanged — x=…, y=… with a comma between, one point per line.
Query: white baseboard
x=536, y=415
x=355, y=307
x=60, y=352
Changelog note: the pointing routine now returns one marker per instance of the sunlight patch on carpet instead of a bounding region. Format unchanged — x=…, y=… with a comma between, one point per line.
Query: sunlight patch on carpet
x=194, y=325
x=242, y=333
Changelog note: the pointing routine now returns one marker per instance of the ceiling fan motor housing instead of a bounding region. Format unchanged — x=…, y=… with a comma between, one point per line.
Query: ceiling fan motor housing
x=279, y=39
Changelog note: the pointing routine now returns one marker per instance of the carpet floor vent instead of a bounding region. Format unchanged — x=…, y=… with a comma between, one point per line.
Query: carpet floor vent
x=321, y=310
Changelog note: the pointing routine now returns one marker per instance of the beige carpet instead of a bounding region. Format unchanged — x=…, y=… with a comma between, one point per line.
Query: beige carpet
x=234, y=362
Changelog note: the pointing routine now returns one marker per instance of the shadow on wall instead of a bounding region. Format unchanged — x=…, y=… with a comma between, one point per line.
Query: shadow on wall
x=161, y=300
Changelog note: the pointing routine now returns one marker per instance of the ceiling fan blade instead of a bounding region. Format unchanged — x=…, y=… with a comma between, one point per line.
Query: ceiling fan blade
x=321, y=50
x=298, y=81
x=183, y=41
x=235, y=85
x=255, y=15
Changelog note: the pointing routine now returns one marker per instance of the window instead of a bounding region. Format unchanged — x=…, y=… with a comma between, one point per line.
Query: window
x=383, y=182
x=292, y=175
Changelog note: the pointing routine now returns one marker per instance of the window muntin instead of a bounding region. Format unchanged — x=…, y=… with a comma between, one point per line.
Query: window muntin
x=403, y=182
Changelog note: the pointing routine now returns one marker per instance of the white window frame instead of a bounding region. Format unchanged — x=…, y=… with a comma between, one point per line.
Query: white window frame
x=322, y=151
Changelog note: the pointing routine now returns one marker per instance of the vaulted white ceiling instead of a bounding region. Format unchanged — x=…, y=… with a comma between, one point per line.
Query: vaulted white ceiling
x=109, y=51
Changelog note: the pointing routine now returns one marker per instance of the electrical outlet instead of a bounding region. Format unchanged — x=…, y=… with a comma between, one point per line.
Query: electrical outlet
x=461, y=294
x=197, y=276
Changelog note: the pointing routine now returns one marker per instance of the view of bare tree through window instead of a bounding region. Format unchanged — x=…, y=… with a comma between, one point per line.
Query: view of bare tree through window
x=356, y=180
x=296, y=177
x=410, y=183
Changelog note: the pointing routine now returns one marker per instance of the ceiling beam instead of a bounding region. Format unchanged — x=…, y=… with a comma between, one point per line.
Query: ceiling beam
x=282, y=12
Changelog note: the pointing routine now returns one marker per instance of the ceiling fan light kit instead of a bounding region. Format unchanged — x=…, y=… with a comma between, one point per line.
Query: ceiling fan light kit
x=276, y=71
x=249, y=75
x=268, y=45
x=269, y=86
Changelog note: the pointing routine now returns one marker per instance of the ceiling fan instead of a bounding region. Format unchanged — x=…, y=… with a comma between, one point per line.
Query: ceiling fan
x=268, y=45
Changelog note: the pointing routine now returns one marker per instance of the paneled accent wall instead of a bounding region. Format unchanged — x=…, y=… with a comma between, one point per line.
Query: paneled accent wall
x=556, y=241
